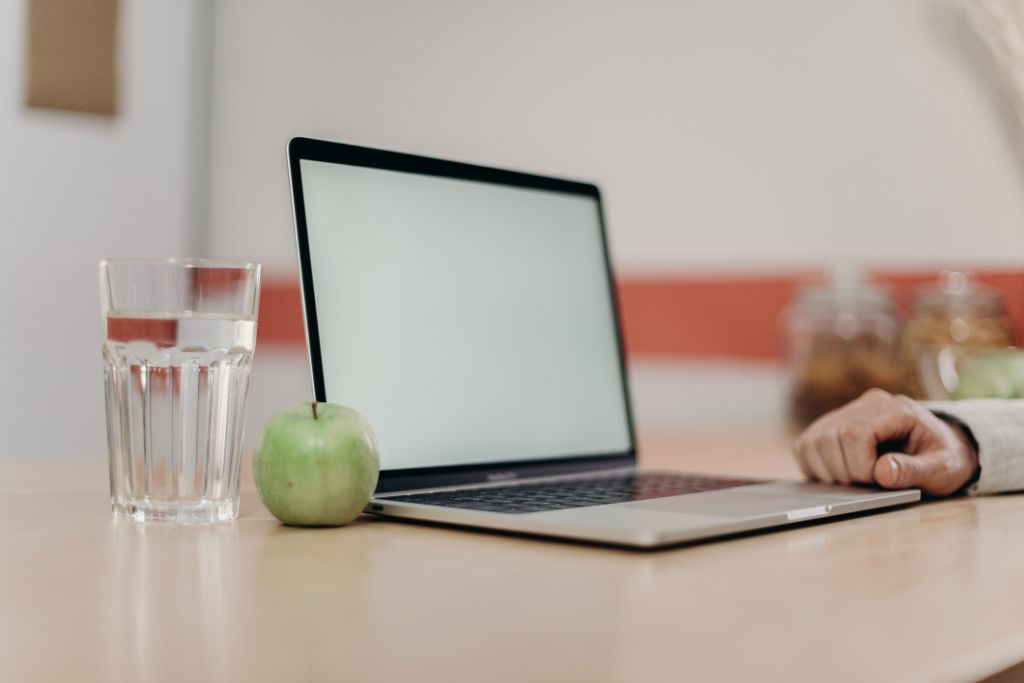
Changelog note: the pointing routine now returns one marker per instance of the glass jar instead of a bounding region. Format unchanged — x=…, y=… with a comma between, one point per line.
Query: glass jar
x=959, y=313
x=843, y=340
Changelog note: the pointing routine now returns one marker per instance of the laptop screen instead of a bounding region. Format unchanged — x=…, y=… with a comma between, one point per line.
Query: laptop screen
x=470, y=322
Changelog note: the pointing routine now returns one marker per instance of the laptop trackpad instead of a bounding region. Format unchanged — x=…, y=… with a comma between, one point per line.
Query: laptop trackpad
x=734, y=503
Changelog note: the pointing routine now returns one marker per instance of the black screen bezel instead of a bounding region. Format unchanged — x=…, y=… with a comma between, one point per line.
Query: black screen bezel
x=446, y=475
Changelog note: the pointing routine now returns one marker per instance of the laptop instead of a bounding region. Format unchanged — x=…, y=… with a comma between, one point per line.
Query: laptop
x=470, y=314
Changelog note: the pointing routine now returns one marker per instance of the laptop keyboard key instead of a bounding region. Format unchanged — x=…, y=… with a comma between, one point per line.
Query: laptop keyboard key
x=572, y=493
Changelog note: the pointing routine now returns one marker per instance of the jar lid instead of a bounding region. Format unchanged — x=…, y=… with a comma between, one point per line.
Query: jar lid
x=845, y=290
x=959, y=291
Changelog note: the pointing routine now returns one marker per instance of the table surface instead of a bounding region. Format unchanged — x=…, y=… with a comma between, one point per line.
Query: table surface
x=932, y=592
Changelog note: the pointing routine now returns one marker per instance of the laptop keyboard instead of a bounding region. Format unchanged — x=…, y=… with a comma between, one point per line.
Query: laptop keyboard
x=573, y=493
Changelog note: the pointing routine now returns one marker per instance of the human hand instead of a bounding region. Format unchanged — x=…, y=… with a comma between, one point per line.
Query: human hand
x=888, y=440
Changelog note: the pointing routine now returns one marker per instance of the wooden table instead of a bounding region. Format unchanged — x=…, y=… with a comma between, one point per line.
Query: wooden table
x=933, y=592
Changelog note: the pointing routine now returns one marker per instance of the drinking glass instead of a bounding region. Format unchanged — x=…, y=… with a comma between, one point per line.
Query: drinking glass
x=178, y=346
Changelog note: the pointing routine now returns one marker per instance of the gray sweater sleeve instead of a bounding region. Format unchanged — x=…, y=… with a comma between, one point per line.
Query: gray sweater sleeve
x=998, y=428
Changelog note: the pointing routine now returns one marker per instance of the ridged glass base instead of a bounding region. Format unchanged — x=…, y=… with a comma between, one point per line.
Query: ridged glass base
x=186, y=512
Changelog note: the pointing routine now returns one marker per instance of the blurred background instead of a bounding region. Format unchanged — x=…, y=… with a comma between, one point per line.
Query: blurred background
x=746, y=151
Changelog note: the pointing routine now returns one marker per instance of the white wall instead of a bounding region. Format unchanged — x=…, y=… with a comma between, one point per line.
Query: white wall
x=725, y=134
x=77, y=188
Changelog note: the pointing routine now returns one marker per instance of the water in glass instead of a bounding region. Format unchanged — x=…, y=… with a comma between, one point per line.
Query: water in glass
x=176, y=384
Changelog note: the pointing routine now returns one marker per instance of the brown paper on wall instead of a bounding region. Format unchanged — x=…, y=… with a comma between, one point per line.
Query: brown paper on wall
x=72, y=52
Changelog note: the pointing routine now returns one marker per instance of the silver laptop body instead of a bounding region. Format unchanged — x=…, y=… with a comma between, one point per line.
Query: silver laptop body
x=470, y=314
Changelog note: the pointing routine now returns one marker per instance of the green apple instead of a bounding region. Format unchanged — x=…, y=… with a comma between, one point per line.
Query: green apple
x=985, y=378
x=1011, y=364
x=982, y=384
x=316, y=464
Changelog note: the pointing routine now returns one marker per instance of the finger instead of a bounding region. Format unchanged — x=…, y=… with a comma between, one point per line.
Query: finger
x=894, y=420
x=819, y=471
x=799, y=457
x=832, y=456
x=859, y=452
x=927, y=471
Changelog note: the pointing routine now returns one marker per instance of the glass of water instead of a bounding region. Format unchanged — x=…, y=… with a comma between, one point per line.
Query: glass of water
x=178, y=346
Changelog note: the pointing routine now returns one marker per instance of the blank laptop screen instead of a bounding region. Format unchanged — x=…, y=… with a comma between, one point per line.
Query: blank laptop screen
x=470, y=322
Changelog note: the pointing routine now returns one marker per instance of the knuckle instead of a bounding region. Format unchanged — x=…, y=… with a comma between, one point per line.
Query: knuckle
x=905, y=402
x=875, y=394
x=853, y=432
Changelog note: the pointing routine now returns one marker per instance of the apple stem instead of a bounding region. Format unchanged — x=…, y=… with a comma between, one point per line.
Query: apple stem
x=314, y=410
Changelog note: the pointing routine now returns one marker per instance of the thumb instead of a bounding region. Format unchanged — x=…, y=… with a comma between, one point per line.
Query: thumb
x=902, y=471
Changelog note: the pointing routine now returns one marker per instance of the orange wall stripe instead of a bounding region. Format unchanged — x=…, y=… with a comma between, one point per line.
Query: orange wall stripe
x=677, y=317
x=280, y=318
